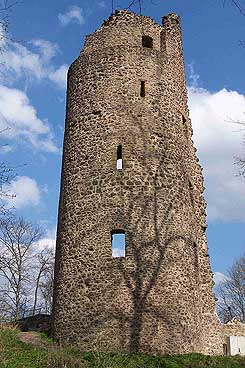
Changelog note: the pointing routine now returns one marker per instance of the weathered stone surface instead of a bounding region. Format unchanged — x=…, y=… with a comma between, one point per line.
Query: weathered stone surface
x=158, y=298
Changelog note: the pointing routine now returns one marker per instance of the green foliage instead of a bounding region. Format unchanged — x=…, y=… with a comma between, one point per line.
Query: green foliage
x=17, y=354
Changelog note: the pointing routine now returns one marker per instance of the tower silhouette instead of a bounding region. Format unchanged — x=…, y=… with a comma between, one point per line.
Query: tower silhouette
x=130, y=170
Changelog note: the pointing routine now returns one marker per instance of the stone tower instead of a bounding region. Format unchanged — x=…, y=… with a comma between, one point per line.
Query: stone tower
x=129, y=167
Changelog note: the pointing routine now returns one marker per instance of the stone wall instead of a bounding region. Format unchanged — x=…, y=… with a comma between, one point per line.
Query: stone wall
x=219, y=333
x=158, y=298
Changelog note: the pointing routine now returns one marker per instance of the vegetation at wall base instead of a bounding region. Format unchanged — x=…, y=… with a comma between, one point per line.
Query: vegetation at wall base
x=17, y=354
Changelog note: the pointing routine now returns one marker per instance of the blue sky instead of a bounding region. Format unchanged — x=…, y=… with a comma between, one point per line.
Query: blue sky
x=47, y=36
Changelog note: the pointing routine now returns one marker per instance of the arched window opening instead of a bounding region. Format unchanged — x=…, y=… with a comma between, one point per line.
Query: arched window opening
x=183, y=120
x=142, y=89
x=118, y=243
x=147, y=41
x=119, y=158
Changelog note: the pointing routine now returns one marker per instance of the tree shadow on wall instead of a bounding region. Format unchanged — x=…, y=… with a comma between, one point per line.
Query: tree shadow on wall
x=142, y=212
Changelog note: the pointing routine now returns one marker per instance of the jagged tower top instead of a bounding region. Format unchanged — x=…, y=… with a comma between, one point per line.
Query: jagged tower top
x=117, y=30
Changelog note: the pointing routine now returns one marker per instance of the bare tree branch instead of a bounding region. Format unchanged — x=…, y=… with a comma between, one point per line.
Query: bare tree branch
x=237, y=4
x=17, y=238
x=45, y=268
x=231, y=293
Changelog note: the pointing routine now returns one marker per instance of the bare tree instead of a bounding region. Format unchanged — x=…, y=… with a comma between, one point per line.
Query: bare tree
x=6, y=175
x=5, y=9
x=138, y=4
x=17, y=239
x=47, y=286
x=231, y=293
x=6, y=170
x=44, y=280
x=4, y=23
x=238, y=4
x=240, y=160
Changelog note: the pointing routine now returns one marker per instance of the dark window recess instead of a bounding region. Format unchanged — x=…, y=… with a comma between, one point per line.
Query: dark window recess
x=225, y=349
x=118, y=243
x=142, y=89
x=185, y=126
x=119, y=158
x=191, y=192
x=147, y=41
x=196, y=261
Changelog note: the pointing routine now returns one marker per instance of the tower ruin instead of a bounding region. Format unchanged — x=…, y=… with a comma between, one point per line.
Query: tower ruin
x=129, y=167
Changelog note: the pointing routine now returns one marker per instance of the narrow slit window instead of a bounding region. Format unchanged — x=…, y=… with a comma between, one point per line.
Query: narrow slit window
x=142, y=89
x=196, y=260
x=119, y=158
x=191, y=193
x=185, y=127
x=118, y=243
x=147, y=41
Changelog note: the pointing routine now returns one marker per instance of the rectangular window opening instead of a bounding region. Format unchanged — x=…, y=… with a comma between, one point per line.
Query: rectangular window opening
x=119, y=158
x=225, y=349
x=147, y=41
x=183, y=120
x=142, y=89
x=118, y=243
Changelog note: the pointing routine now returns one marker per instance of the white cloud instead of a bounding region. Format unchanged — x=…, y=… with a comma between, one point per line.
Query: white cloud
x=118, y=252
x=22, y=121
x=6, y=148
x=218, y=141
x=47, y=49
x=59, y=76
x=73, y=15
x=102, y=4
x=18, y=61
x=49, y=240
x=193, y=76
x=219, y=277
x=26, y=192
x=46, y=243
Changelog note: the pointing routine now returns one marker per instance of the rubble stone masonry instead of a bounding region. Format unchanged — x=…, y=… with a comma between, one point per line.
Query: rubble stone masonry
x=158, y=298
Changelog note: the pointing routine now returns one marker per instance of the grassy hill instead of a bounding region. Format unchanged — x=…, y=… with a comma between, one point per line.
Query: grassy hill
x=40, y=352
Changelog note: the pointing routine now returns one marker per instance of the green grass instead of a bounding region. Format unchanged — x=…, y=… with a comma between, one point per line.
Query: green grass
x=16, y=354
x=147, y=361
